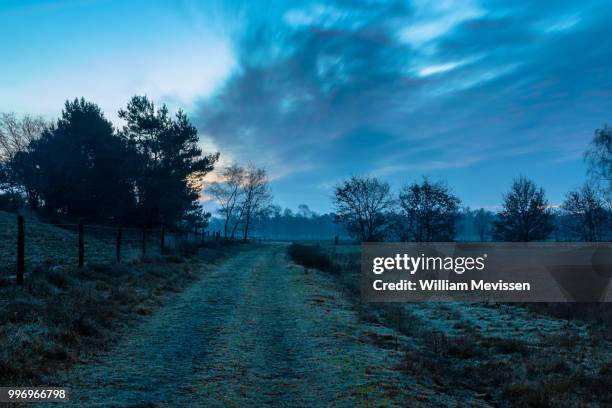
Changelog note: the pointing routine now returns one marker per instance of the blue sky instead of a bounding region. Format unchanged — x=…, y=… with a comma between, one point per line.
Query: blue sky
x=471, y=92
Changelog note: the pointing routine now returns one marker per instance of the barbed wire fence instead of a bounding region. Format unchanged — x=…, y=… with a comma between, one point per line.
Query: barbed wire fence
x=39, y=244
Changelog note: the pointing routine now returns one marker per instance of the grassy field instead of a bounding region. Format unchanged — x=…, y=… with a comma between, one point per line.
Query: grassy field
x=508, y=354
x=62, y=312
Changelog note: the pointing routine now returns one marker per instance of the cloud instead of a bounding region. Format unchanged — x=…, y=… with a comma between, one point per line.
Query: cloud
x=433, y=19
x=426, y=166
x=324, y=91
x=563, y=24
x=439, y=68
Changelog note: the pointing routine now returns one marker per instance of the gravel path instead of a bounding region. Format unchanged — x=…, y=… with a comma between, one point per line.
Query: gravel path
x=255, y=331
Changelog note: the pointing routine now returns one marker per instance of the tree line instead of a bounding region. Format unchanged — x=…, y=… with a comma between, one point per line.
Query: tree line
x=285, y=224
x=147, y=173
x=151, y=171
x=428, y=211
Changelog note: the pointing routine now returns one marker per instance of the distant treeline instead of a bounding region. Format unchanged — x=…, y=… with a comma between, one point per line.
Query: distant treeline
x=305, y=224
x=470, y=225
x=366, y=209
x=150, y=173
x=286, y=224
x=427, y=211
x=147, y=173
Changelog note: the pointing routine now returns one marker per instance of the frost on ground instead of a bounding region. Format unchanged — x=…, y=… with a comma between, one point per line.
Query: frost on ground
x=508, y=355
x=502, y=354
x=254, y=331
x=260, y=331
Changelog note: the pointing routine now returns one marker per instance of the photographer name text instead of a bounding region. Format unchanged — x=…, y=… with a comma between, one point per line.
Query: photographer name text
x=459, y=265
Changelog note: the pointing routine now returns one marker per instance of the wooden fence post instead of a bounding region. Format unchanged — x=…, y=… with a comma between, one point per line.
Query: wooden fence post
x=144, y=241
x=118, y=245
x=20, y=249
x=162, y=243
x=81, y=245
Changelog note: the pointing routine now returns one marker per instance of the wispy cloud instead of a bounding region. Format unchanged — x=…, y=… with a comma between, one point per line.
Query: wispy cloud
x=425, y=167
x=433, y=19
x=438, y=68
x=563, y=24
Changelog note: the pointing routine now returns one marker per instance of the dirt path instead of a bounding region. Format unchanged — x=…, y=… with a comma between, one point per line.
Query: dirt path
x=259, y=331
x=254, y=331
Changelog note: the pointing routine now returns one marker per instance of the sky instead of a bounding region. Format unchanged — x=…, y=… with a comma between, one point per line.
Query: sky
x=472, y=93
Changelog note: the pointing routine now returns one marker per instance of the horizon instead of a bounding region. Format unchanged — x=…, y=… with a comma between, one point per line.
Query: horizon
x=471, y=93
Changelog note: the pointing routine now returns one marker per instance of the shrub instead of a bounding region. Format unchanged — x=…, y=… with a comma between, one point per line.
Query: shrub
x=312, y=256
x=506, y=346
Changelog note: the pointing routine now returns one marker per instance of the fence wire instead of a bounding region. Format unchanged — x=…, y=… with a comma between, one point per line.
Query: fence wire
x=58, y=244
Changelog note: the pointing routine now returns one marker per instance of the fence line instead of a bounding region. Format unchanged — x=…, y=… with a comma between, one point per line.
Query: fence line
x=148, y=239
x=20, y=249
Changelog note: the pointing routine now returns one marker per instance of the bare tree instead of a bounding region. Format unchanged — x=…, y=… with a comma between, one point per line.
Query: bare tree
x=525, y=216
x=364, y=204
x=430, y=211
x=227, y=192
x=587, y=216
x=16, y=134
x=256, y=196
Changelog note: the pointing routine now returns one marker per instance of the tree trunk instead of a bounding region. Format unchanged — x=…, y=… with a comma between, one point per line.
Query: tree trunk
x=234, y=229
x=246, y=227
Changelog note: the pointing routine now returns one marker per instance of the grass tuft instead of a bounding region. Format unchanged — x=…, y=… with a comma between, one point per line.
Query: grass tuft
x=312, y=256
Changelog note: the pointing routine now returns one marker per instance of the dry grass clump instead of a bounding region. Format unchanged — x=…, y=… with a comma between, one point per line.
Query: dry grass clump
x=312, y=256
